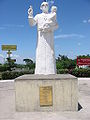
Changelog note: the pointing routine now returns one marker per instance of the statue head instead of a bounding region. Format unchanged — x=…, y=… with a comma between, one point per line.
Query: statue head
x=44, y=7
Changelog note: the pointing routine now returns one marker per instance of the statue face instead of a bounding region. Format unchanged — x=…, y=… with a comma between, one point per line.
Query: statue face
x=44, y=7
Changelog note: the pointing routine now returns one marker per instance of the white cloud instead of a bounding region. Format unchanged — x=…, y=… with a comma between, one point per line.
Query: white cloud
x=50, y=2
x=13, y=25
x=1, y=56
x=18, y=58
x=71, y=54
x=79, y=44
x=86, y=21
x=10, y=26
x=1, y=60
x=69, y=36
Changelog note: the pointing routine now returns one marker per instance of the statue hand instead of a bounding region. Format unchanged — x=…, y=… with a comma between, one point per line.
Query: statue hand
x=46, y=26
x=30, y=11
x=46, y=29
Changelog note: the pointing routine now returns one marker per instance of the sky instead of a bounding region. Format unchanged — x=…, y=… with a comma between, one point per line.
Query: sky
x=72, y=38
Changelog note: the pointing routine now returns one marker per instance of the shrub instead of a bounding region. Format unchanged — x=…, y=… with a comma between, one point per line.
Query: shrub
x=13, y=74
x=0, y=75
x=62, y=71
x=80, y=72
x=76, y=72
x=3, y=68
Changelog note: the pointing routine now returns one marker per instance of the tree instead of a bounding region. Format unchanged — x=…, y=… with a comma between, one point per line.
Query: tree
x=10, y=63
x=63, y=62
x=29, y=63
x=62, y=57
x=84, y=56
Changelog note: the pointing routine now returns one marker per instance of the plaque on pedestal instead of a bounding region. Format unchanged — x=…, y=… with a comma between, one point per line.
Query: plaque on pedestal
x=46, y=96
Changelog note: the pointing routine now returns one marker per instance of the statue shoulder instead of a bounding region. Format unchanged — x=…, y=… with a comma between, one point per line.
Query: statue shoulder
x=37, y=16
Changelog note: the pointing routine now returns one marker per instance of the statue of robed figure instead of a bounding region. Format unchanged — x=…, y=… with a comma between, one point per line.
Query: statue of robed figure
x=46, y=25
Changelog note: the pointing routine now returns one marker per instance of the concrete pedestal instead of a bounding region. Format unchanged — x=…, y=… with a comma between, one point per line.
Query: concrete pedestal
x=46, y=93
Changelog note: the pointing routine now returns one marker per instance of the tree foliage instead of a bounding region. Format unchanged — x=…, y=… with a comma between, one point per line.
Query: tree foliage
x=63, y=62
x=84, y=56
x=29, y=63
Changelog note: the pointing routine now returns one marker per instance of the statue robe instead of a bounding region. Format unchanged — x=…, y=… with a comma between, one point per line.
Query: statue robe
x=45, y=55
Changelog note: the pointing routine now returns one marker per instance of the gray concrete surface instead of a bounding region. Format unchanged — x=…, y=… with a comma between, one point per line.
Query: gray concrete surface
x=64, y=93
x=7, y=105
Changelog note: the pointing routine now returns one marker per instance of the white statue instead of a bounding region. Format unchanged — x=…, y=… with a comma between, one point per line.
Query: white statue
x=46, y=24
x=53, y=9
x=30, y=11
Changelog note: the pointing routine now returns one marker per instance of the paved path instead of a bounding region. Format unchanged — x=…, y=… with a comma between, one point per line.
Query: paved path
x=7, y=105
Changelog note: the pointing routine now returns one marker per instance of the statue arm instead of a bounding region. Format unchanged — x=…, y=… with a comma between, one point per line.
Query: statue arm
x=54, y=27
x=50, y=27
x=51, y=24
x=32, y=20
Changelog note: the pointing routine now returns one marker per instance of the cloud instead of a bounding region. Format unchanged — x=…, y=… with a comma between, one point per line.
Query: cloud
x=2, y=58
x=86, y=21
x=6, y=26
x=13, y=25
x=79, y=44
x=71, y=54
x=50, y=2
x=69, y=36
x=18, y=58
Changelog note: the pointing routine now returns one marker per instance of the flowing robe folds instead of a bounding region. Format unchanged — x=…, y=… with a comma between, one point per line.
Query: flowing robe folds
x=45, y=55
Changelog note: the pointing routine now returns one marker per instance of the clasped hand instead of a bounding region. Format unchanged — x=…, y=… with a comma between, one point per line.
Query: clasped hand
x=46, y=28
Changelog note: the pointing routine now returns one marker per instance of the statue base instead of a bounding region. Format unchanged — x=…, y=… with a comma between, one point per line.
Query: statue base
x=46, y=93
